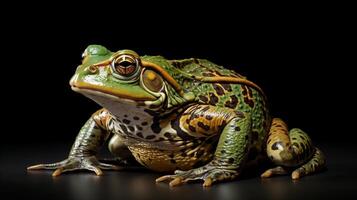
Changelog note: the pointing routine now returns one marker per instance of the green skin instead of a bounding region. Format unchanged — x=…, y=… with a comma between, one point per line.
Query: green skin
x=205, y=130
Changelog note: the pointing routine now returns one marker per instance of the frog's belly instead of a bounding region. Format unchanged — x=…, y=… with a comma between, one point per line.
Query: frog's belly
x=164, y=161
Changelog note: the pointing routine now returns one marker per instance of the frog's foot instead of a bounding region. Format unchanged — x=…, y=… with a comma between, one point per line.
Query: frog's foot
x=76, y=163
x=208, y=174
x=274, y=171
x=315, y=164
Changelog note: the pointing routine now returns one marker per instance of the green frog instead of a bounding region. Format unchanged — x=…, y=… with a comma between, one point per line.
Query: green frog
x=190, y=117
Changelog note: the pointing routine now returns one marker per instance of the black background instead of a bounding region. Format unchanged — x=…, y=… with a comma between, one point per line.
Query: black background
x=300, y=57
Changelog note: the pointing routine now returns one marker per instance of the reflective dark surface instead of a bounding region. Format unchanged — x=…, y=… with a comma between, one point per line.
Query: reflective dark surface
x=338, y=181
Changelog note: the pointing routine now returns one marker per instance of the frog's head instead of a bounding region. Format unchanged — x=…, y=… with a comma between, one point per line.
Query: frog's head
x=126, y=78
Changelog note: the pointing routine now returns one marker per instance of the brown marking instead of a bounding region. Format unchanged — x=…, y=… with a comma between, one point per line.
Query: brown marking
x=208, y=117
x=232, y=103
x=203, y=98
x=227, y=87
x=213, y=99
x=131, y=128
x=219, y=90
x=139, y=127
x=193, y=129
x=203, y=126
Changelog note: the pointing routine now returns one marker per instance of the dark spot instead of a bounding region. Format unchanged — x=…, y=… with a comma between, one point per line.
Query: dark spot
x=218, y=88
x=136, y=118
x=193, y=129
x=149, y=137
x=208, y=117
x=226, y=141
x=124, y=129
x=203, y=126
x=168, y=135
x=275, y=145
x=232, y=103
x=213, y=99
x=125, y=115
x=230, y=160
x=173, y=161
x=144, y=124
x=293, y=138
x=171, y=155
x=271, y=158
x=125, y=121
x=246, y=137
x=183, y=154
x=204, y=99
x=227, y=87
x=139, y=127
x=131, y=128
x=140, y=134
x=223, y=151
x=182, y=134
x=237, y=128
x=303, y=138
x=155, y=126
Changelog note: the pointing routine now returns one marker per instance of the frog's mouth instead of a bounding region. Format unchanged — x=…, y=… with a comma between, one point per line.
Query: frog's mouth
x=120, y=93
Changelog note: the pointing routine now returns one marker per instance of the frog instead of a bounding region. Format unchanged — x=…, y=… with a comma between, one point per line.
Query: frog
x=190, y=119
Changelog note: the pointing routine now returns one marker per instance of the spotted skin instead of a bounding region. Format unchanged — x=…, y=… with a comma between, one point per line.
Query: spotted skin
x=191, y=117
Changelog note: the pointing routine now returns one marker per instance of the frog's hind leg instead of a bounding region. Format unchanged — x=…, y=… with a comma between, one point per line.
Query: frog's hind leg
x=290, y=150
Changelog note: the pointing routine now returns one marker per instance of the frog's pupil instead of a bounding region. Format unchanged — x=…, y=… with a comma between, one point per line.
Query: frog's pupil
x=125, y=63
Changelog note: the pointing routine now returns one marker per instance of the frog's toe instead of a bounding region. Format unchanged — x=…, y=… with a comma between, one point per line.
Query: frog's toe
x=274, y=171
x=74, y=163
x=209, y=176
x=46, y=166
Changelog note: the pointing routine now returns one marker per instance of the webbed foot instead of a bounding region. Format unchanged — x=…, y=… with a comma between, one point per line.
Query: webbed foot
x=208, y=174
x=76, y=163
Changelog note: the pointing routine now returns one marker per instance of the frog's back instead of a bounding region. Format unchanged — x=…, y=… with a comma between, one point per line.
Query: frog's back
x=202, y=67
x=234, y=95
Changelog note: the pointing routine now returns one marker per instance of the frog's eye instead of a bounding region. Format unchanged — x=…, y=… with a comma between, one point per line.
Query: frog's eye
x=125, y=67
x=152, y=80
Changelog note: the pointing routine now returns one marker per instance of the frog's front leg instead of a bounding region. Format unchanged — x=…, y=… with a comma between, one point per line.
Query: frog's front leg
x=231, y=151
x=83, y=153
